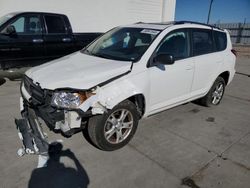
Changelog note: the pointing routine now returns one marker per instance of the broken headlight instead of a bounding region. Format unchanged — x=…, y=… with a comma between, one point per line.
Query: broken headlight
x=65, y=99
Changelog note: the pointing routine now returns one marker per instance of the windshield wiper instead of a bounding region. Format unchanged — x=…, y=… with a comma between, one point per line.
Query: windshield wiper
x=106, y=56
x=103, y=55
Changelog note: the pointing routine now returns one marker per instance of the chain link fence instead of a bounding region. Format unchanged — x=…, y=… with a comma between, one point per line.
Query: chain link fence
x=239, y=32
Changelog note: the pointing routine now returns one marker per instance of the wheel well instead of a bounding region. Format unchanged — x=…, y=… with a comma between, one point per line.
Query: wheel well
x=139, y=101
x=225, y=76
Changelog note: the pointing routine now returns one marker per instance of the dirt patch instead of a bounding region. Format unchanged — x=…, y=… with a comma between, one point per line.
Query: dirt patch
x=242, y=51
x=2, y=81
x=195, y=110
x=210, y=119
x=189, y=182
x=241, y=165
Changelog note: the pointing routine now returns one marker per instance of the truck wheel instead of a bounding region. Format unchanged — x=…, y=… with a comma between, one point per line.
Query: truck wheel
x=114, y=129
x=215, y=94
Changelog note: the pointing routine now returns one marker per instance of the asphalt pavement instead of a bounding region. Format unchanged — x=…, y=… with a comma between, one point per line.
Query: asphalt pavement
x=186, y=146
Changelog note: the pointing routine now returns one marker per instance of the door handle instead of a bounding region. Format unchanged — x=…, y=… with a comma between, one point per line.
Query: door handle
x=37, y=40
x=190, y=67
x=66, y=39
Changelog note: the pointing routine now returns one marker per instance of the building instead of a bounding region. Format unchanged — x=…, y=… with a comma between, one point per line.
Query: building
x=97, y=15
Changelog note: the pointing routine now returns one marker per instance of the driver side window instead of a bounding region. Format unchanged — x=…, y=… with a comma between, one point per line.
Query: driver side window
x=19, y=25
x=175, y=44
x=29, y=24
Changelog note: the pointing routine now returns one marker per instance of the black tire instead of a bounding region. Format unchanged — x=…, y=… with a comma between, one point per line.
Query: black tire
x=207, y=100
x=98, y=124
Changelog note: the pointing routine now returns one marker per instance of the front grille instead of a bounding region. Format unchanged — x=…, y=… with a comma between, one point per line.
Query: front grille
x=35, y=91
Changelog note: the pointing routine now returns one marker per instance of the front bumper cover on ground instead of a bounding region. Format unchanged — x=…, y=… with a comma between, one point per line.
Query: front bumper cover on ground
x=31, y=134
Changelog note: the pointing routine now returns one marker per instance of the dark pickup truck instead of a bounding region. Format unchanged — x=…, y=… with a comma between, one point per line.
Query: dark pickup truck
x=32, y=38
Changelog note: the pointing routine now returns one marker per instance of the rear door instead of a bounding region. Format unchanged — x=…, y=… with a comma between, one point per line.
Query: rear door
x=26, y=47
x=58, y=38
x=207, y=61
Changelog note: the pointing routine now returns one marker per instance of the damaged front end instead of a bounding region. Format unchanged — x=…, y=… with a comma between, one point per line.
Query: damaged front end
x=36, y=104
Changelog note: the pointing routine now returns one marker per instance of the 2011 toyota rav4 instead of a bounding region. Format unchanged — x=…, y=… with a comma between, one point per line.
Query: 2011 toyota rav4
x=129, y=73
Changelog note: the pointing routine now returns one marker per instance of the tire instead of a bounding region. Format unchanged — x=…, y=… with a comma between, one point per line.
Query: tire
x=215, y=94
x=114, y=129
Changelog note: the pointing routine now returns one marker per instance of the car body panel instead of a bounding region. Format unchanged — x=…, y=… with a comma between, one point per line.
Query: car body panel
x=77, y=70
x=111, y=81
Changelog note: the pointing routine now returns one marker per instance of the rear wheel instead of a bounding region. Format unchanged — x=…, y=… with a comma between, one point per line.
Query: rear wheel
x=114, y=129
x=215, y=94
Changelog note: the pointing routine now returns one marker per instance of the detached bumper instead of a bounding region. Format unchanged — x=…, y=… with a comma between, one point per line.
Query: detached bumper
x=31, y=134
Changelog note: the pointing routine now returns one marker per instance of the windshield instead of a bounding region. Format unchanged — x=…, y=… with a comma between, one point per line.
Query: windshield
x=125, y=44
x=5, y=18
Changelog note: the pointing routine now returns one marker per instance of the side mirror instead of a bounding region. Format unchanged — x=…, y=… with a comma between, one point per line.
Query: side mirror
x=164, y=59
x=10, y=30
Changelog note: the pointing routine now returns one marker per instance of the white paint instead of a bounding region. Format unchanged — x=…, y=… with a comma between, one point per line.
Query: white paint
x=21, y=104
x=25, y=93
x=78, y=70
x=168, y=10
x=97, y=15
x=181, y=82
x=42, y=161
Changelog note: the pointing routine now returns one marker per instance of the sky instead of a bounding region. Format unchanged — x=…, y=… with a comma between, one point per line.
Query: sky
x=222, y=11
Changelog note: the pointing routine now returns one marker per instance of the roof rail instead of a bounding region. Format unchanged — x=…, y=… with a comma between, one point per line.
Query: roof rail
x=139, y=22
x=164, y=23
x=191, y=22
x=157, y=23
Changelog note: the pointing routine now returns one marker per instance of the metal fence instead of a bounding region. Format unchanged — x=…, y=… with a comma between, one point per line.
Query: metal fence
x=239, y=32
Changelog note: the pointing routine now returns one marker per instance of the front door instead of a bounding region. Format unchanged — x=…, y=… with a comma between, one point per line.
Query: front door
x=171, y=84
x=25, y=47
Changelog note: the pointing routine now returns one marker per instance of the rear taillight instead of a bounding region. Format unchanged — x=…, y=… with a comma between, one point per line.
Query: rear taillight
x=234, y=52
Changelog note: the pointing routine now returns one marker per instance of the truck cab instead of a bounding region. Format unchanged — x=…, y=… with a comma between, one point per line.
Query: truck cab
x=32, y=38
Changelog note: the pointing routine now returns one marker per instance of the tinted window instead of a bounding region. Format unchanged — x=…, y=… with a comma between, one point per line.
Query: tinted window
x=29, y=24
x=220, y=40
x=55, y=24
x=202, y=41
x=176, y=44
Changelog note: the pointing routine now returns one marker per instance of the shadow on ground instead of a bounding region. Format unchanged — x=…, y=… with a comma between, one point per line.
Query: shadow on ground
x=56, y=175
x=2, y=81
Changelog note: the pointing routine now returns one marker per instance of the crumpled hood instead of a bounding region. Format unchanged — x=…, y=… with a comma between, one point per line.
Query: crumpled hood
x=78, y=70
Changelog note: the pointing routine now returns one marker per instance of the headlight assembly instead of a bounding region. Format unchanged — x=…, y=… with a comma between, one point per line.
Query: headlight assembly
x=66, y=99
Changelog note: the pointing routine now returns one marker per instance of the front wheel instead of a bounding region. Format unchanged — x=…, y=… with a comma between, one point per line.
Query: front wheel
x=114, y=129
x=215, y=94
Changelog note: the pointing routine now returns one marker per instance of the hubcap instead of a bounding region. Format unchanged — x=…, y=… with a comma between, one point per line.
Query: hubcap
x=118, y=126
x=217, y=94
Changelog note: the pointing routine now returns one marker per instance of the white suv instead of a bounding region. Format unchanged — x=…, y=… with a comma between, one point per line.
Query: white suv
x=129, y=73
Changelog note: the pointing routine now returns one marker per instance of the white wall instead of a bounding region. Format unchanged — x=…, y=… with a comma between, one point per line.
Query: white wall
x=97, y=15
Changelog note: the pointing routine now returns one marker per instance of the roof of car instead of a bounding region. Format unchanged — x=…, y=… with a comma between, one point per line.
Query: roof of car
x=33, y=12
x=164, y=25
x=157, y=26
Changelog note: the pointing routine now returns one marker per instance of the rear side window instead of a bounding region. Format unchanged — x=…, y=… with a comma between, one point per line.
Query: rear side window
x=55, y=24
x=220, y=40
x=202, y=41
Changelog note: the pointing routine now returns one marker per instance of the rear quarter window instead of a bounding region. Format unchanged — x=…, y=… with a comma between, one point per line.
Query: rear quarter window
x=220, y=40
x=202, y=41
